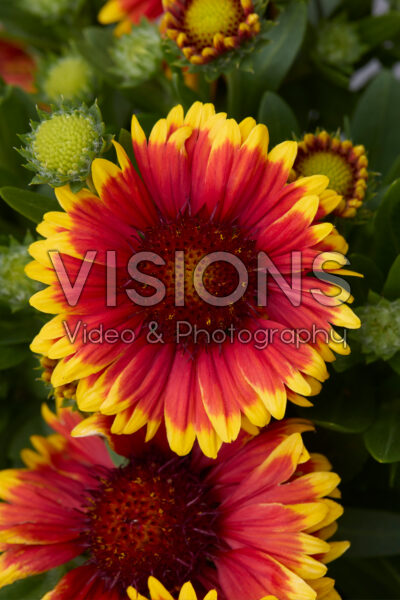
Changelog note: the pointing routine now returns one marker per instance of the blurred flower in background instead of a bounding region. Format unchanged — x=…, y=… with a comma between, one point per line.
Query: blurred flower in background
x=68, y=77
x=380, y=332
x=15, y=287
x=48, y=10
x=17, y=67
x=126, y=12
x=338, y=43
x=137, y=55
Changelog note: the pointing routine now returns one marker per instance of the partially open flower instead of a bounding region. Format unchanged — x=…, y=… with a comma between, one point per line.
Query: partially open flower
x=344, y=164
x=127, y=12
x=62, y=146
x=17, y=67
x=204, y=29
x=137, y=55
x=68, y=77
x=256, y=522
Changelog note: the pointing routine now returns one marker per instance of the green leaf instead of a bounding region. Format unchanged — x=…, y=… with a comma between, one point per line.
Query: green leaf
x=10, y=356
x=279, y=118
x=29, y=204
x=371, y=532
x=383, y=438
x=394, y=172
x=377, y=29
x=18, y=331
x=395, y=363
x=16, y=109
x=380, y=133
x=387, y=228
x=271, y=63
x=95, y=46
x=345, y=404
x=373, y=277
x=367, y=578
x=391, y=289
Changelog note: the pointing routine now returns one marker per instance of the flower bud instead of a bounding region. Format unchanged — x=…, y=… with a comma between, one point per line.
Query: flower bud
x=68, y=78
x=137, y=55
x=15, y=287
x=63, y=145
x=380, y=331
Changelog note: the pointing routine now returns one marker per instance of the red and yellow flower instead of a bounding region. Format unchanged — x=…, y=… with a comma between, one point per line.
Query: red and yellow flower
x=17, y=67
x=253, y=523
x=341, y=161
x=204, y=29
x=128, y=12
x=208, y=184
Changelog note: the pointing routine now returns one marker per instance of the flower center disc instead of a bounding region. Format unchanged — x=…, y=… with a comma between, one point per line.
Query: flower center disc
x=330, y=164
x=150, y=517
x=197, y=239
x=205, y=18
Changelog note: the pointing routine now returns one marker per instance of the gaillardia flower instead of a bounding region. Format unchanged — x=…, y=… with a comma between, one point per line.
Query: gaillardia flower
x=215, y=348
x=127, y=12
x=204, y=30
x=17, y=67
x=62, y=145
x=344, y=164
x=251, y=524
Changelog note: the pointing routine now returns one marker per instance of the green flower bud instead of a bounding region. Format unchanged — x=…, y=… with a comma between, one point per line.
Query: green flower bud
x=48, y=10
x=15, y=287
x=137, y=55
x=63, y=145
x=68, y=77
x=339, y=44
x=380, y=332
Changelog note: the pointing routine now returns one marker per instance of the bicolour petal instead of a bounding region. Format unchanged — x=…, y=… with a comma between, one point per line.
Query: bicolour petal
x=19, y=562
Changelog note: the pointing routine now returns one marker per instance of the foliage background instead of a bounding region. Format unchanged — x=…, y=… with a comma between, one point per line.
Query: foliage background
x=296, y=87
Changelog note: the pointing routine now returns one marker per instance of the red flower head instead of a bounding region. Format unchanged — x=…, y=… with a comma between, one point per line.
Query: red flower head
x=126, y=12
x=251, y=524
x=17, y=67
x=205, y=276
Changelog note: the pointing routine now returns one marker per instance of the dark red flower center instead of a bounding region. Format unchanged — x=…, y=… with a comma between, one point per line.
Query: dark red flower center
x=209, y=274
x=151, y=517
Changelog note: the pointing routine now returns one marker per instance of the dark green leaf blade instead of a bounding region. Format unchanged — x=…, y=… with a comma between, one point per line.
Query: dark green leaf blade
x=29, y=204
x=279, y=118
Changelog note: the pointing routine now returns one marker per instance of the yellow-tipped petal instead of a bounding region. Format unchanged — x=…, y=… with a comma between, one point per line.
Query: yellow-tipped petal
x=138, y=135
x=158, y=591
x=111, y=12
x=285, y=153
x=102, y=171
